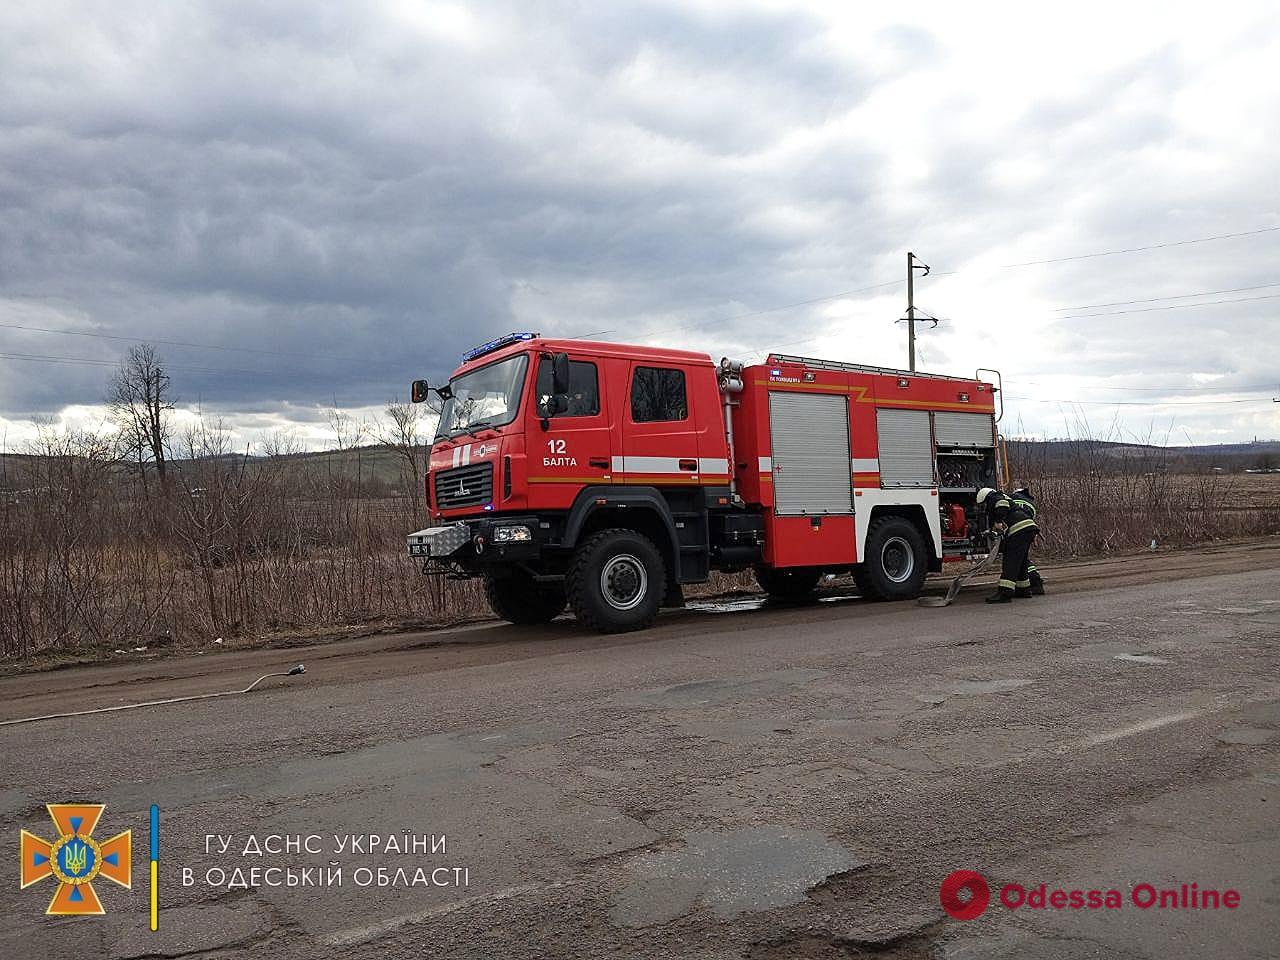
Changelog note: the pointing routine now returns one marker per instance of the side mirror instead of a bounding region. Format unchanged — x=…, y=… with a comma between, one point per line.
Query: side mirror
x=552, y=404
x=419, y=390
x=560, y=374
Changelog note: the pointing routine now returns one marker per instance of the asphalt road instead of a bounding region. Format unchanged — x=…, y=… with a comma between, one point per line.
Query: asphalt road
x=739, y=781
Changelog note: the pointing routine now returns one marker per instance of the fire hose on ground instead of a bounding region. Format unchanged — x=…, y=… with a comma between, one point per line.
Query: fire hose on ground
x=944, y=601
x=294, y=672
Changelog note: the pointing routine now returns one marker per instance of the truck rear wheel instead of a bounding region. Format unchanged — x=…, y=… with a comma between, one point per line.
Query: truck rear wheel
x=895, y=563
x=788, y=584
x=616, y=581
x=516, y=597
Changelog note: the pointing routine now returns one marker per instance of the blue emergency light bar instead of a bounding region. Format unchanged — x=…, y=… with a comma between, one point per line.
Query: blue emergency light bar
x=498, y=344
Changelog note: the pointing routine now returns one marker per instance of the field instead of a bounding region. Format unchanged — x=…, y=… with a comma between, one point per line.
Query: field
x=99, y=560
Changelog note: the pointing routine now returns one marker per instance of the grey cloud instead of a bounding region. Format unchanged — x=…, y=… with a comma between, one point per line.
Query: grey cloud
x=324, y=180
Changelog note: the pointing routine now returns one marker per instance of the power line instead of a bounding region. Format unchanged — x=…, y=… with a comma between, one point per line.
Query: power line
x=173, y=343
x=1081, y=256
x=1028, y=263
x=730, y=319
x=1253, y=388
x=1222, y=389
x=1179, y=296
x=1153, y=246
x=753, y=313
x=1134, y=403
x=1175, y=306
x=96, y=362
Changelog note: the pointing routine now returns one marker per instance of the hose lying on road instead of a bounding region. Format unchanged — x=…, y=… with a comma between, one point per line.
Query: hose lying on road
x=296, y=671
x=958, y=582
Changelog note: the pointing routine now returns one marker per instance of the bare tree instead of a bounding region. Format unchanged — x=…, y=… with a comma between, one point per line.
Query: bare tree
x=347, y=430
x=403, y=435
x=348, y=434
x=140, y=401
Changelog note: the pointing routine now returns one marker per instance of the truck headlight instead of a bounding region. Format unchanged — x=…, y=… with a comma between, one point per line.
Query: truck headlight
x=515, y=533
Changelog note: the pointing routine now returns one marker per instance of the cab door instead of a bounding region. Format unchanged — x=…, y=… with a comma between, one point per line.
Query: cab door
x=660, y=434
x=576, y=448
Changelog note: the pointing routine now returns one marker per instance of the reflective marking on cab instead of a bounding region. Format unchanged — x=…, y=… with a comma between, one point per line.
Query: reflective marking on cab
x=669, y=465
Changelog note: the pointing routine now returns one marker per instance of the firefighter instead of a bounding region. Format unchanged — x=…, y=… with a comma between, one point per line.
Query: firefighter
x=1018, y=525
x=1022, y=497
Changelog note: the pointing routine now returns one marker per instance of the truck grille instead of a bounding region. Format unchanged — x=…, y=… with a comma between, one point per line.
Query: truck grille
x=464, y=486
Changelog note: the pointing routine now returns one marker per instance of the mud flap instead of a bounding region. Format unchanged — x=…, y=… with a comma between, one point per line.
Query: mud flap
x=675, y=595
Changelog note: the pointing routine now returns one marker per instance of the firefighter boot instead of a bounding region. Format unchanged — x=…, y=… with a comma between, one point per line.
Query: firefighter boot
x=1023, y=593
x=1002, y=595
x=1037, y=582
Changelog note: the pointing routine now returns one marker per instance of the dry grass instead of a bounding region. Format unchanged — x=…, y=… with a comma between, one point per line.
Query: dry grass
x=1094, y=502
x=93, y=560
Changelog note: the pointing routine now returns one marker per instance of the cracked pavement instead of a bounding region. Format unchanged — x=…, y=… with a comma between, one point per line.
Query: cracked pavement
x=739, y=781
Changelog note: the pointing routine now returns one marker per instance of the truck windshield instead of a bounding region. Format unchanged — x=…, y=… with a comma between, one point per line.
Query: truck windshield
x=488, y=397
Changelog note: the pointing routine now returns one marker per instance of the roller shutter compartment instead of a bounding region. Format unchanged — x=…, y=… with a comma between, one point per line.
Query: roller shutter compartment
x=906, y=448
x=964, y=429
x=810, y=437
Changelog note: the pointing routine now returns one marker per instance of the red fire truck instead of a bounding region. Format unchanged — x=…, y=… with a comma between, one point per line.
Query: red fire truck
x=605, y=477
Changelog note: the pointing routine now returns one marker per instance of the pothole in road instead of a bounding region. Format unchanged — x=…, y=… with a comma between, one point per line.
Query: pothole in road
x=717, y=690
x=973, y=688
x=910, y=944
x=728, y=872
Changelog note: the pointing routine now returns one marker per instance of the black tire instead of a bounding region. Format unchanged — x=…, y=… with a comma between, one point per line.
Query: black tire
x=896, y=561
x=515, y=597
x=616, y=581
x=787, y=584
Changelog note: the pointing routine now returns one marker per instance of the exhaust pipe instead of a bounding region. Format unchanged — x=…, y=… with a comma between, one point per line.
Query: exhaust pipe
x=729, y=376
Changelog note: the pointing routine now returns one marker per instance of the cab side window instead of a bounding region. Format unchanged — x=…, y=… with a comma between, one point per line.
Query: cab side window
x=584, y=387
x=657, y=394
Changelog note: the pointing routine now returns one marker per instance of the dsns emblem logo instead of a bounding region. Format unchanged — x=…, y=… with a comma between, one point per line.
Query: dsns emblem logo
x=75, y=859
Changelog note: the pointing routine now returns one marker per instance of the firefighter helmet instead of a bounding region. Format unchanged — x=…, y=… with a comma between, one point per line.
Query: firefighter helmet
x=984, y=493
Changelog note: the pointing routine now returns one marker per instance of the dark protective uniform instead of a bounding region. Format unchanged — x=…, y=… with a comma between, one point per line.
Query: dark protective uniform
x=1022, y=497
x=1015, y=579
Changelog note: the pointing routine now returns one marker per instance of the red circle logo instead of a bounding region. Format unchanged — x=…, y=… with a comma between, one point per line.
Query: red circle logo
x=958, y=882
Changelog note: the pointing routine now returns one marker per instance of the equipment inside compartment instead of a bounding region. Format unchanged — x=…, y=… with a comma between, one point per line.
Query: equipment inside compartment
x=962, y=471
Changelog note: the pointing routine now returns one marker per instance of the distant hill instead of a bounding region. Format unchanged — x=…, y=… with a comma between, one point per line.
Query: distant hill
x=1232, y=457
x=382, y=465
x=1232, y=449
x=376, y=463
x=1120, y=448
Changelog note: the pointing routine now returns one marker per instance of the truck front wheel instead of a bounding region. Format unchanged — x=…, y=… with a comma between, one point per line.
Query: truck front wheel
x=895, y=561
x=616, y=581
x=788, y=584
x=517, y=598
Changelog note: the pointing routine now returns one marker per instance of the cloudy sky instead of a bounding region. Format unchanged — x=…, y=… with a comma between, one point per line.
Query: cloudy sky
x=342, y=197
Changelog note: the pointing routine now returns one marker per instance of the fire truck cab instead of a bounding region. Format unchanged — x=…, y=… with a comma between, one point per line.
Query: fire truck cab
x=605, y=477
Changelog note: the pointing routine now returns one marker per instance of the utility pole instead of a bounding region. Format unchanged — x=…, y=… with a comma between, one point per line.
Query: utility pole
x=913, y=264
